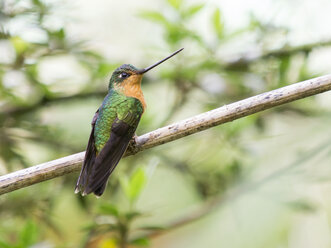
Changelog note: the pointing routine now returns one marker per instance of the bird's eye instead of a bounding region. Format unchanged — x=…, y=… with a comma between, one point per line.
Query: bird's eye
x=124, y=75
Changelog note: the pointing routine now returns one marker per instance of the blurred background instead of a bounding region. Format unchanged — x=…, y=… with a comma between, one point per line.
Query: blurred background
x=261, y=181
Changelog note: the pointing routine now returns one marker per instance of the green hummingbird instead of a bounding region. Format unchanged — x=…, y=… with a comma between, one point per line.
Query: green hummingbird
x=113, y=126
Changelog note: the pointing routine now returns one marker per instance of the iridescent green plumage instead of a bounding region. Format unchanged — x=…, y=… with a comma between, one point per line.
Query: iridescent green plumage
x=113, y=126
x=115, y=105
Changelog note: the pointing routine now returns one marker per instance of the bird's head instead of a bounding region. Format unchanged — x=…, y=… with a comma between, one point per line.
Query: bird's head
x=125, y=75
x=129, y=76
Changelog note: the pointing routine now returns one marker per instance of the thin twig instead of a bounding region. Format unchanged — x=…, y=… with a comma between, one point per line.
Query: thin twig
x=243, y=62
x=227, y=113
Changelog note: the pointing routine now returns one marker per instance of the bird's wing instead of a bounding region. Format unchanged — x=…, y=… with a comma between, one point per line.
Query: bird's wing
x=89, y=159
x=122, y=130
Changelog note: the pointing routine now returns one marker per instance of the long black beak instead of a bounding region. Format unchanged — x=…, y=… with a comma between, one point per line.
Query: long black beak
x=142, y=71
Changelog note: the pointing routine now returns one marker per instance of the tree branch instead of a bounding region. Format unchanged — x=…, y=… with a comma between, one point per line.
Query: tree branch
x=227, y=113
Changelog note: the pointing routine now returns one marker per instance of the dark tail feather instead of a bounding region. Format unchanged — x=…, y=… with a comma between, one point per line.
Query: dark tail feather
x=105, y=163
x=99, y=191
x=89, y=160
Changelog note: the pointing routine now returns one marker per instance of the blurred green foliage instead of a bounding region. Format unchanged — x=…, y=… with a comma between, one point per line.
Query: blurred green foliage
x=19, y=99
x=26, y=237
x=47, y=117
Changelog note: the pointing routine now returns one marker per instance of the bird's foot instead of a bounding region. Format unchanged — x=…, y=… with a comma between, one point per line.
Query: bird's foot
x=132, y=147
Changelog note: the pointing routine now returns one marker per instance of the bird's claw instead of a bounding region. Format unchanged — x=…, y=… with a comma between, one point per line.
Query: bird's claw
x=132, y=147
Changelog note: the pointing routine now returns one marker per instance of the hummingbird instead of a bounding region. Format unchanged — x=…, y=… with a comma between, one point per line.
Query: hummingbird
x=113, y=126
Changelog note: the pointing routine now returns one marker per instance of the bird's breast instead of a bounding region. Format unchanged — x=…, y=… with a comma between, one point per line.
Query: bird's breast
x=131, y=87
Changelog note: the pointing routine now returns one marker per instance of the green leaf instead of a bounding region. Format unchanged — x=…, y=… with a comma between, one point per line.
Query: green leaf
x=109, y=209
x=192, y=10
x=137, y=183
x=133, y=187
x=175, y=3
x=140, y=242
x=154, y=16
x=19, y=44
x=59, y=34
x=29, y=233
x=125, y=186
x=218, y=23
x=37, y=2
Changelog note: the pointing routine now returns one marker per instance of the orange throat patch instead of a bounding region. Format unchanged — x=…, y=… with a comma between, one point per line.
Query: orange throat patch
x=132, y=87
